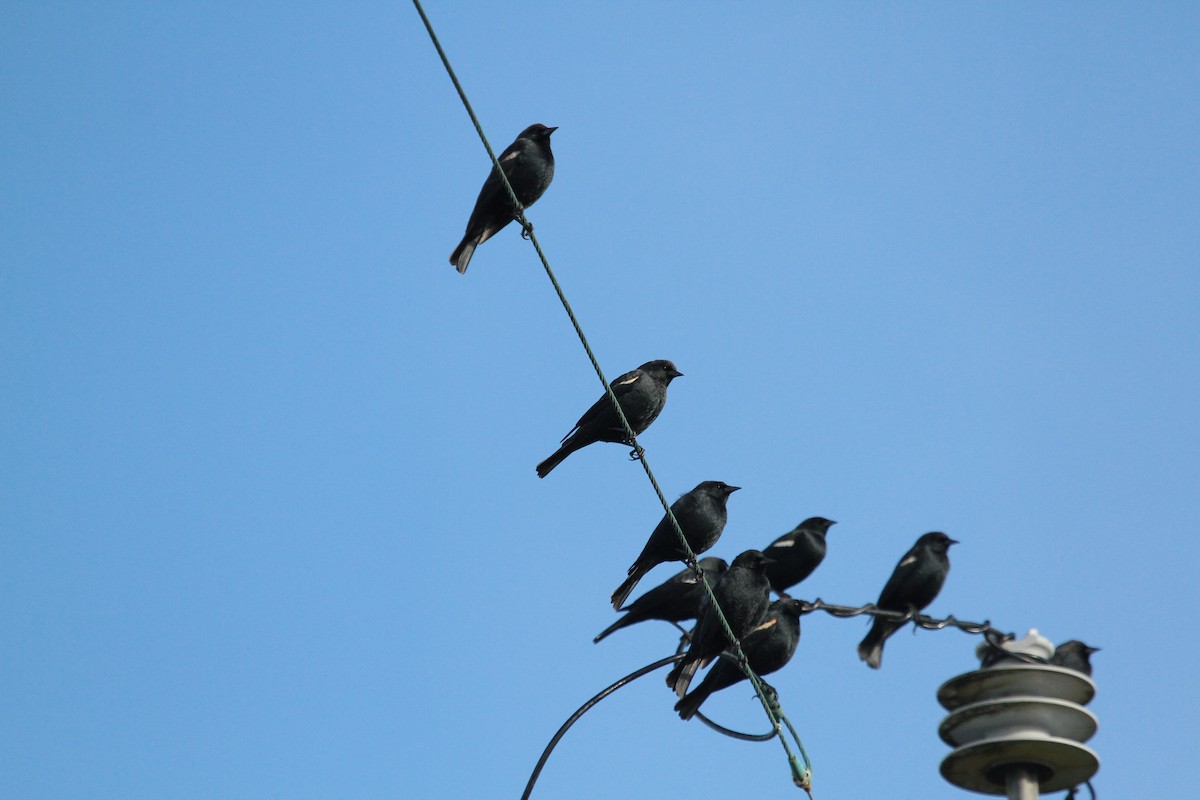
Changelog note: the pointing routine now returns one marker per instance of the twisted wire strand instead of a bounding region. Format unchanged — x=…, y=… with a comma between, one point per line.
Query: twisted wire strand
x=993, y=636
x=802, y=776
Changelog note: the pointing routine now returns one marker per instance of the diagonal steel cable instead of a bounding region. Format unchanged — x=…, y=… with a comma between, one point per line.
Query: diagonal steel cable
x=801, y=775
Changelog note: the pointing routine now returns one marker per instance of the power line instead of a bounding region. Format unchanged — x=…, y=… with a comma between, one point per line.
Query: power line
x=920, y=620
x=801, y=775
x=992, y=636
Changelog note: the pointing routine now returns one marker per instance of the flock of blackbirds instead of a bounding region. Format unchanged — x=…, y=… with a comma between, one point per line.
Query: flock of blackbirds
x=768, y=631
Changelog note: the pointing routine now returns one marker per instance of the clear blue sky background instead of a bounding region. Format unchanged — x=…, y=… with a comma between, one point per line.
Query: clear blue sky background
x=270, y=524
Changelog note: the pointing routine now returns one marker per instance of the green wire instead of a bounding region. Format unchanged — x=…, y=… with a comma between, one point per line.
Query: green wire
x=801, y=776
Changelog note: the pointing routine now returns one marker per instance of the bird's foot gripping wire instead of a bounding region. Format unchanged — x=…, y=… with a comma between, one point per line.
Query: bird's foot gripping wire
x=637, y=452
x=526, y=227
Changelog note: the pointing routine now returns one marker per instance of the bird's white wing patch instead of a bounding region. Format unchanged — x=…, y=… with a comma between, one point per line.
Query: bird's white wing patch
x=784, y=543
x=628, y=381
x=908, y=560
x=767, y=624
x=514, y=155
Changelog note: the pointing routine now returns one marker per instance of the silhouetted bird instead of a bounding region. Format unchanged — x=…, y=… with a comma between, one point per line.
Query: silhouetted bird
x=743, y=595
x=992, y=652
x=641, y=392
x=916, y=581
x=768, y=648
x=529, y=165
x=674, y=600
x=797, y=553
x=701, y=515
x=1074, y=655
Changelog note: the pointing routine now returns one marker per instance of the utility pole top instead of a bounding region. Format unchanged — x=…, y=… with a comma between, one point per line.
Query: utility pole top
x=1018, y=726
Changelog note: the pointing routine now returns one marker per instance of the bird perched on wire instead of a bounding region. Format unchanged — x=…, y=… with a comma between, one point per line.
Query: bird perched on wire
x=701, y=514
x=529, y=167
x=914, y=584
x=1074, y=655
x=743, y=594
x=674, y=600
x=797, y=553
x=768, y=648
x=642, y=394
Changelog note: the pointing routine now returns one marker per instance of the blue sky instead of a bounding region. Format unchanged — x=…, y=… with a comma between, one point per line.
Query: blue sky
x=271, y=526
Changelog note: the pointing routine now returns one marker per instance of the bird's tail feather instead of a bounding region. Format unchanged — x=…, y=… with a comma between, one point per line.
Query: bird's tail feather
x=681, y=677
x=543, y=469
x=870, y=649
x=673, y=675
x=461, y=257
x=616, y=626
x=622, y=592
x=689, y=704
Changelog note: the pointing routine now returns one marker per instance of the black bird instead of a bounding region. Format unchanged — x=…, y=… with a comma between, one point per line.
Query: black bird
x=768, y=648
x=529, y=165
x=641, y=392
x=744, y=595
x=797, y=553
x=701, y=514
x=916, y=581
x=673, y=601
x=992, y=652
x=1074, y=655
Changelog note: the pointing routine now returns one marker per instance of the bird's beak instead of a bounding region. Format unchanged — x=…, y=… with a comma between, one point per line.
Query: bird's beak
x=676, y=373
x=1093, y=650
x=953, y=541
x=732, y=489
x=551, y=130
